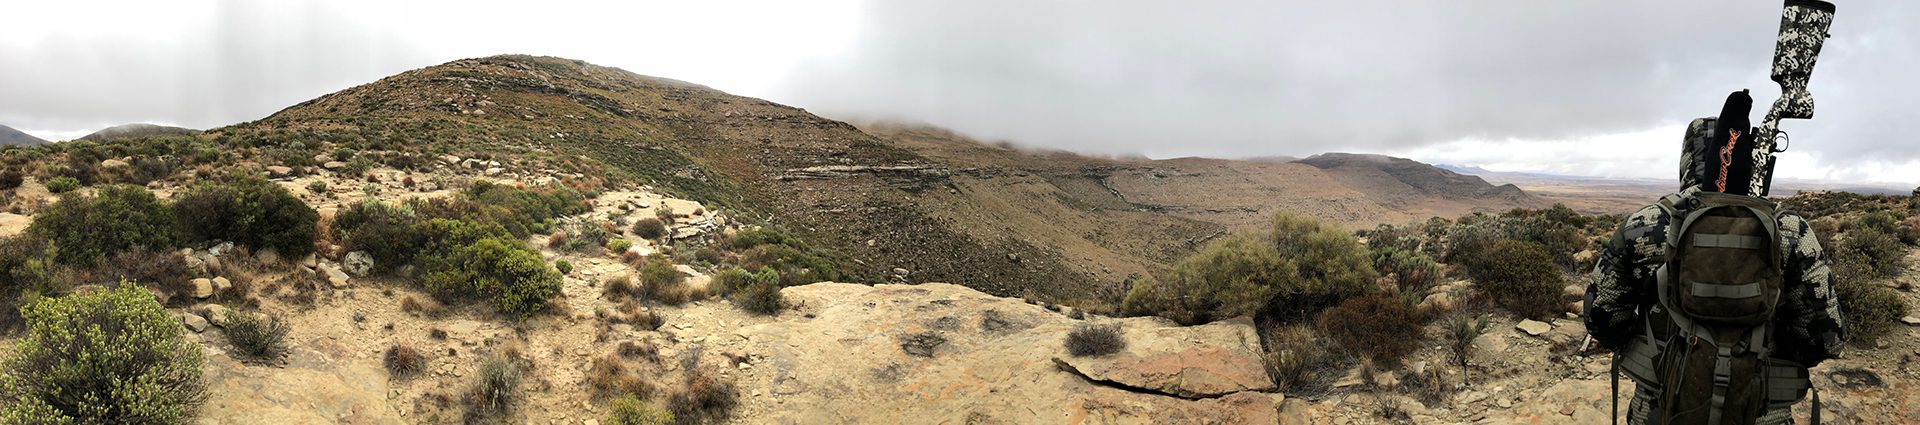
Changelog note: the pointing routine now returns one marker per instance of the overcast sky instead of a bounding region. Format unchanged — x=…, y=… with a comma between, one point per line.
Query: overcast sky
x=1571, y=87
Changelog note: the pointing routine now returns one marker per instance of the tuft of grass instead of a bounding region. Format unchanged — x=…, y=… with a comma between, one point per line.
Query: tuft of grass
x=702, y=397
x=403, y=361
x=629, y=410
x=496, y=393
x=1095, y=340
x=610, y=377
x=257, y=337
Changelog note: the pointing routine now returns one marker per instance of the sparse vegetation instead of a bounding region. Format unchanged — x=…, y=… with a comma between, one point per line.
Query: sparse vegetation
x=113, y=356
x=1248, y=273
x=702, y=397
x=1461, y=332
x=609, y=377
x=1095, y=340
x=261, y=338
x=1296, y=358
x=619, y=246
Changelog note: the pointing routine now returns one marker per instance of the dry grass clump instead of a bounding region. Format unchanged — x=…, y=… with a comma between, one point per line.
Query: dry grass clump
x=403, y=361
x=1095, y=340
x=702, y=397
x=638, y=350
x=1297, y=359
x=422, y=308
x=497, y=391
x=260, y=338
x=610, y=377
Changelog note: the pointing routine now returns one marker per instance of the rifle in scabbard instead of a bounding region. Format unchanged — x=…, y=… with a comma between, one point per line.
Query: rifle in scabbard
x=1803, y=28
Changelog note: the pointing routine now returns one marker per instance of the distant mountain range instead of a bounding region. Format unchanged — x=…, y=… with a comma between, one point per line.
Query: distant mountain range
x=137, y=130
x=12, y=137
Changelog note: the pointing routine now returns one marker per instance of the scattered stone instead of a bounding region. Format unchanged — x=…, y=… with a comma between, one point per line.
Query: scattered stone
x=334, y=276
x=495, y=171
x=1911, y=320
x=194, y=322
x=1437, y=303
x=1504, y=403
x=267, y=256
x=216, y=314
x=113, y=163
x=358, y=263
x=900, y=272
x=221, y=284
x=1533, y=327
x=334, y=165
x=222, y=249
x=202, y=287
x=1573, y=291
x=278, y=171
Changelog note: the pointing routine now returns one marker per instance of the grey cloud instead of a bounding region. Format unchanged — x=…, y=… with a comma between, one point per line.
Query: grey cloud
x=1246, y=78
x=254, y=58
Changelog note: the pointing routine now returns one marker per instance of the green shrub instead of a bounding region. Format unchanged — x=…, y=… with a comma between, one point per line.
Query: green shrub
x=563, y=266
x=1381, y=327
x=1290, y=271
x=112, y=356
x=1520, y=277
x=796, y=261
x=256, y=337
x=760, y=298
x=86, y=229
x=1871, y=310
x=1413, y=272
x=618, y=246
x=1882, y=254
x=628, y=410
x=11, y=179
x=521, y=212
x=247, y=210
x=736, y=278
x=1095, y=340
x=62, y=184
x=387, y=232
x=508, y=274
x=1461, y=332
x=317, y=187
x=650, y=228
x=659, y=276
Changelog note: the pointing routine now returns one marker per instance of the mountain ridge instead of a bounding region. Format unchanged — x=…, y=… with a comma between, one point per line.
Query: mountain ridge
x=11, y=137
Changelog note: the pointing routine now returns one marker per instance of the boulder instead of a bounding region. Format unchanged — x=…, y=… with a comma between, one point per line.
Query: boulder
x=495, y=171
x=278, y=171
x=221, y=249
x=215, y=313
x=1911, y=320
x=334, y=276
x=221, y=284
x=358, y=263
x=1533, y=327
x=334, y=165
x=193, y=322
x=1437, y=303
x=202, y=287
x=1573, y=291
x=268, y=256
x=113, y=163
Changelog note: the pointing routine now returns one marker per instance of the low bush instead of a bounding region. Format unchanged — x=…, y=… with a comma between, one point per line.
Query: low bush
x=1291, y=270
x=660, y=281
x=1879, y=251
x=619, y=246
x=563, y=266
x=497, y=390
x=1095, y=340
x=797, y=262
x=1381, y=327
x=11, y=179
x=1871, y=310
x=1520, y=277
x=726, y=282
x=650, y=228
x=256, y=337
x=702, y=397
x=506, y=273
x=610, y=377
x=62, y=184
x=629, y=410
x=247, y=210
x=388, y=232
x=166, y=271
x=1413, y=272
x=760, y=298
x=1461, y=332
x=403, y=361
x=1296, y=358
x=112, y=356
x=86, y=229
x=28, y=271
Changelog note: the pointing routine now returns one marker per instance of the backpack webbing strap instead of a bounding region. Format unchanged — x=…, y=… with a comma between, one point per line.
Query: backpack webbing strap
x=1615, y=375
x=1816, y=404
x=1722, y=377
x=1708, y=240
x=1714, y=290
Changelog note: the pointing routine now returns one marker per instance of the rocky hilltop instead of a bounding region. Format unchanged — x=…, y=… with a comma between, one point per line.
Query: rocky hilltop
x=1008, y=222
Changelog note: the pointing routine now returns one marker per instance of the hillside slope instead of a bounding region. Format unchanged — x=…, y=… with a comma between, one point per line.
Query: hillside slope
x=927, y=202
x=12, y=137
